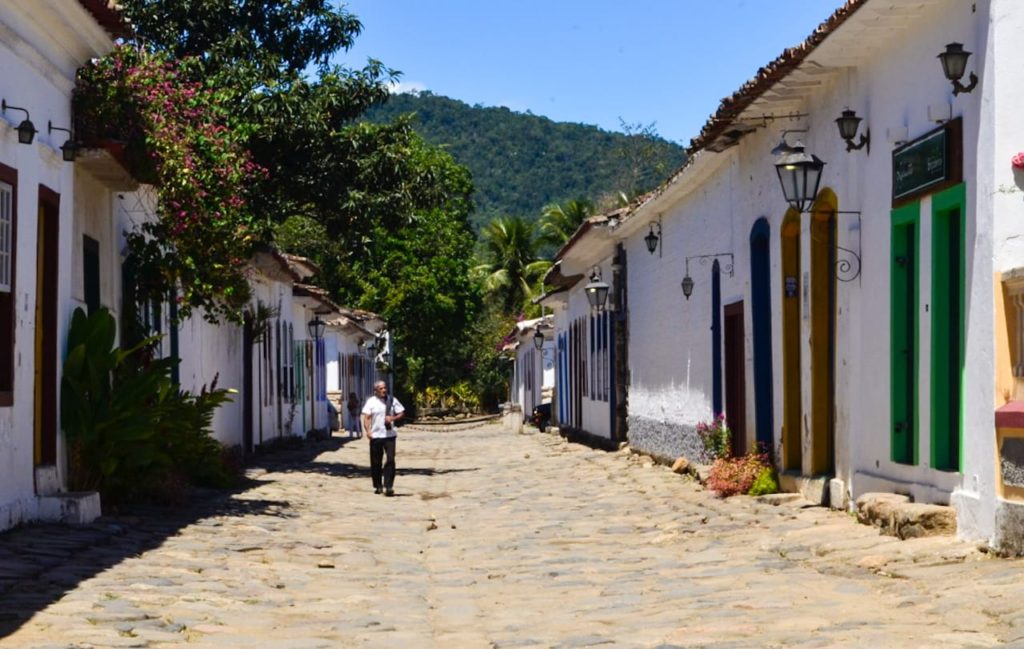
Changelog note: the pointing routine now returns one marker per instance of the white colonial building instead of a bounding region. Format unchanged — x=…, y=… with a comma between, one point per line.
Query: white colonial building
x=865, y=336
x=44, y=212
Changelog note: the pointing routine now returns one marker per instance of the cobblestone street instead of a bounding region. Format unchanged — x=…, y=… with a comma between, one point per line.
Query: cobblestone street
x=495, y=540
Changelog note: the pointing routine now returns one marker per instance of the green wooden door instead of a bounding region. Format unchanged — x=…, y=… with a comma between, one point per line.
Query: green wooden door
x=904, y=346
x=947, y=327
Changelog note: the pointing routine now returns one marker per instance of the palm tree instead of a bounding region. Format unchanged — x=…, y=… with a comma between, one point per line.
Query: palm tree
x=512, y=270
x=559, y=222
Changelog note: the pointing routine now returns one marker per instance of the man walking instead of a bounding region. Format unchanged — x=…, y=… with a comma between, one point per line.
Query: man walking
x=379, y=416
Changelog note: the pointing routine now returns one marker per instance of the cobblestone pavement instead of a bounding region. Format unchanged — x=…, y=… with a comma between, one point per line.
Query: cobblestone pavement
x=495, y=540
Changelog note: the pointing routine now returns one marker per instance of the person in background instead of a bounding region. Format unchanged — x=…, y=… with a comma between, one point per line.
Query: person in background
x=380, y=413
x=354, y=425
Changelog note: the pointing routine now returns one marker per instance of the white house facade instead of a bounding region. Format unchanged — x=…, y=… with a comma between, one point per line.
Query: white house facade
x=41, y=48
x=861, y=339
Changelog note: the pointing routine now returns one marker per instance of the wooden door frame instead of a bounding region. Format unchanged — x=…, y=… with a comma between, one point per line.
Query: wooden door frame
x=792, y=405
x=47, y=392
x=823, y=332
x=735, y=368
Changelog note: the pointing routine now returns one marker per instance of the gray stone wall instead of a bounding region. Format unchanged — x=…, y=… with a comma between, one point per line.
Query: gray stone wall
x=1009, y=531
x=665, y=439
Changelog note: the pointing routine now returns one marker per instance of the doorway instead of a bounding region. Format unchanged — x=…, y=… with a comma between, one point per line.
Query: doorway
x=823, y=332
x=717, y=400
x=47, y=268
x=761, y=321
x=792, y=408
x=904, y=347
x=248, y=336
x=948, y=298
x=735, y=380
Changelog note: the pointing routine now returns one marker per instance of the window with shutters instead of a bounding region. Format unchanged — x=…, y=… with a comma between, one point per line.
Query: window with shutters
x=8, y=253
x=6, y=240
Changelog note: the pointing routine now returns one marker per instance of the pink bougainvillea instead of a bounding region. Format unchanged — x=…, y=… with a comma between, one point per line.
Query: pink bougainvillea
x=176, y=135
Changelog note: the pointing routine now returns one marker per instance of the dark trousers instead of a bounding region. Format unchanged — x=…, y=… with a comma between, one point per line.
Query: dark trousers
x=378, y=447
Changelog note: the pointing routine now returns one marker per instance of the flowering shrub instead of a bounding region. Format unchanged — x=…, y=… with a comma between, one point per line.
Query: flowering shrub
x=736, y=475
x=716, y=438
x=174, y=134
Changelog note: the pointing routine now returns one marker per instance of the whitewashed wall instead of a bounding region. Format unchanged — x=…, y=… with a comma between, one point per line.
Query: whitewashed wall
x=670, y=341
x=311, y=413
x=596, y=413
x=39, y=54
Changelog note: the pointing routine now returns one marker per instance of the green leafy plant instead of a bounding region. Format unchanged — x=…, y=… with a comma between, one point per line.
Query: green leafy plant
x=764, y=483
x=716, y=438
x=132, y=433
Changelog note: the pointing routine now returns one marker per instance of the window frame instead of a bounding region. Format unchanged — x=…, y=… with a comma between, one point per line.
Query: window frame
x=8, y=300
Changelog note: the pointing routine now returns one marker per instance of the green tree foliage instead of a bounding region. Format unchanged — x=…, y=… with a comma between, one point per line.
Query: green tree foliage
x=417, y=277
x=559, y=222
x=271, y=64
x=511, y=270
x=383, y=213
x=522, y=162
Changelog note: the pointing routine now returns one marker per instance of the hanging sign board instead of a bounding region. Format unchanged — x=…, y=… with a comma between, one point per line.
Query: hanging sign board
x=928, y=164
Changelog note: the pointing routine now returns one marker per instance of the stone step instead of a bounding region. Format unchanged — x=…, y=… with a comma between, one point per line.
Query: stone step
x=895, y=515
x=71, y=508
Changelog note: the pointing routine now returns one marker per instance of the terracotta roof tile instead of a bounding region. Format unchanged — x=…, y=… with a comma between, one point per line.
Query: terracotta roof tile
x=731, y=107
x=108, y=15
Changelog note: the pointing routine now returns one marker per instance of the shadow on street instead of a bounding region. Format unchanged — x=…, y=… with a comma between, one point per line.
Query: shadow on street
x=39, y=564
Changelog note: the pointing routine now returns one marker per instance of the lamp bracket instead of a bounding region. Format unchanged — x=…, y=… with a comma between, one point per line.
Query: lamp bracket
x=706, y=259
x=50, y=128
x=4, y=106
x=847, y=267
x=959, y=87
x=765, y=119
x=865, y=141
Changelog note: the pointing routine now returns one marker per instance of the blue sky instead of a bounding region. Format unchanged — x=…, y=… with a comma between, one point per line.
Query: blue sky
x=588, y=61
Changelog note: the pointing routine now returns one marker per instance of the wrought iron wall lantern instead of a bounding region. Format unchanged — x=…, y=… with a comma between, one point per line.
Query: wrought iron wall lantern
x=784, y=146
x=538, y=339
x=596, y=290
x=954, y=64
x=653, y=239
x=26, y=130
x=848, y=124
x=70, y=148
x=316, y=327
x=704, y=260
x=800, y=176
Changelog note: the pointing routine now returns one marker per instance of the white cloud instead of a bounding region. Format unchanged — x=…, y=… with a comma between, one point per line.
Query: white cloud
x=401, y=87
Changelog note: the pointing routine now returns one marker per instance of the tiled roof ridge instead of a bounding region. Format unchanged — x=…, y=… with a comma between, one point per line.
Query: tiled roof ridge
x=107, y=14
x=730, y=107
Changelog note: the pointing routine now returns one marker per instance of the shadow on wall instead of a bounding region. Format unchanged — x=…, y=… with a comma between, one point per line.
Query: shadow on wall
x=39, y=564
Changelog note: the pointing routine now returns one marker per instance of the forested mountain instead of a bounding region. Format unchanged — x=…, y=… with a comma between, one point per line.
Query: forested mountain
x=521, y=162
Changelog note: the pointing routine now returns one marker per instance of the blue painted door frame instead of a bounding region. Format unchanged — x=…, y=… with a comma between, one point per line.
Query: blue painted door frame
x=761, y=317
x=716, y=339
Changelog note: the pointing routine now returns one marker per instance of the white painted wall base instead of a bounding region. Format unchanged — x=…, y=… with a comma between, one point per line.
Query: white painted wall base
x=73, y=508
x=919, y=492
x=47, y=481
x=816, y=490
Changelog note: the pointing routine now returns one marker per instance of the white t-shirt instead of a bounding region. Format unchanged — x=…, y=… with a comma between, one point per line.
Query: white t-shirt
x=375, y=408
